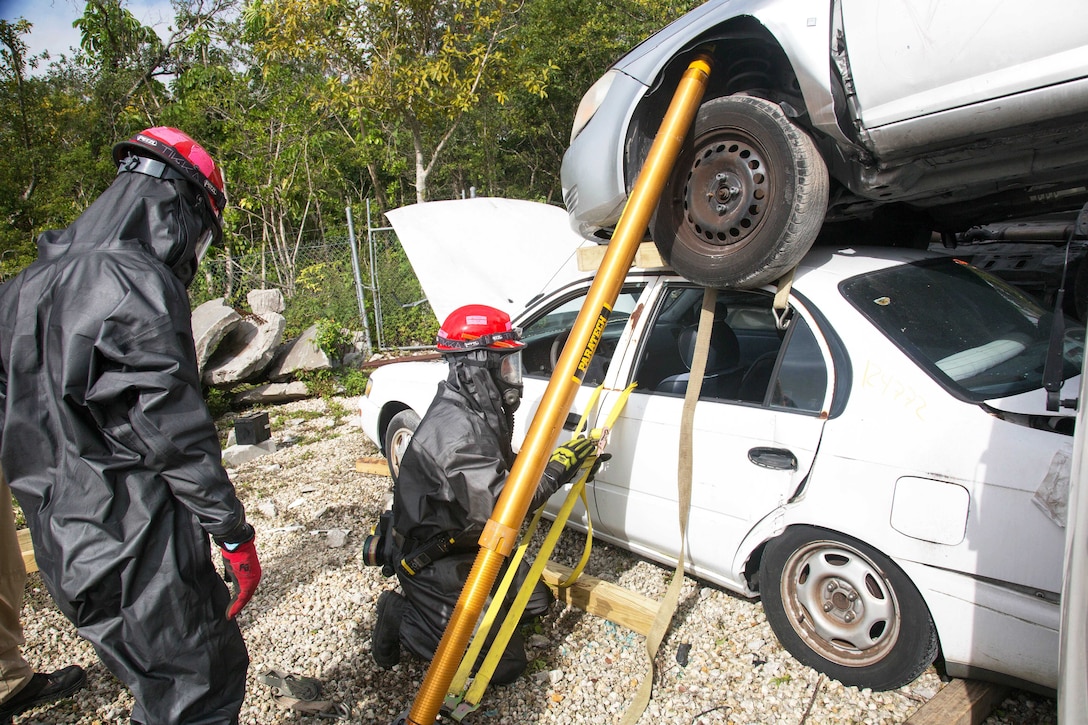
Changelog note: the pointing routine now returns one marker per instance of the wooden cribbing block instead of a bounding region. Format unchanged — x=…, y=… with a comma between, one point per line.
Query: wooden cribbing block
x=960, y=702
x=603, y=599
x=28, y=550
x=376, y=465
x=647, y=257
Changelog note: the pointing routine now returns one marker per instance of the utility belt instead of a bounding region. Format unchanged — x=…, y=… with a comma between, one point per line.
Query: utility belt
x=384, y=542
x=417, y=556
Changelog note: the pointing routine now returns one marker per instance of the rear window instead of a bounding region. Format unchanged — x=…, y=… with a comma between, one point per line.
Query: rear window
x=977, y=335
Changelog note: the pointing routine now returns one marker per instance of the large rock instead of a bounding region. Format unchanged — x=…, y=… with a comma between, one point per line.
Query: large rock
x=299, y=355
x=246, y=351
x=266, y=300
x=212, y=321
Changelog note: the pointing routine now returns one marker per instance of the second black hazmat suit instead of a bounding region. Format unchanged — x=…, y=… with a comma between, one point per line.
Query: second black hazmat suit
x=450, y=477
x=112, y=454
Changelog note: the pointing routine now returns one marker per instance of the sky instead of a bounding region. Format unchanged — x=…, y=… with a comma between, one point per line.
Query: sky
x=52, y=20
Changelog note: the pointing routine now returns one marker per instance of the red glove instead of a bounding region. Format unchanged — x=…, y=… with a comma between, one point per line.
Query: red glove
x=242, y=570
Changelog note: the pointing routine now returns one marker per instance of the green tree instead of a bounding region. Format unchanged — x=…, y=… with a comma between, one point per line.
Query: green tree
x=408, y=70
x=515, y=149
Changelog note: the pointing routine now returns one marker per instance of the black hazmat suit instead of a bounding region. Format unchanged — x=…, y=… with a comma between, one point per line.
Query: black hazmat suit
x=450, y=477
x=112, y=454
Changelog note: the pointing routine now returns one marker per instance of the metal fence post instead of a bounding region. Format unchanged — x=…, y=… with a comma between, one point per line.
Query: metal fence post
x=358, y=279
x=374, y=290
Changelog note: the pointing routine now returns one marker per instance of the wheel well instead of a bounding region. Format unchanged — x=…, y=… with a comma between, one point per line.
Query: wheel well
x=747, y=59
x=752, y=566
x=384, y=418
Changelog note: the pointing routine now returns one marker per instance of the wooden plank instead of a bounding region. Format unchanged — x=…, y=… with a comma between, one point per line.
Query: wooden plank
x=646, y=257
x=603, y=599
x=28, y=550
x=376, y=465
x=960, y=702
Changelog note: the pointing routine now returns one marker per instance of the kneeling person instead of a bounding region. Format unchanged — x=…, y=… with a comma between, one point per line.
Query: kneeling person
x=450, y=477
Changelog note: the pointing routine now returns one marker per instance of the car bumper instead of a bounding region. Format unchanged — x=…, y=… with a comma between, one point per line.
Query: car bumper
x=369, y=418
x=986, y=627
x=594, y=191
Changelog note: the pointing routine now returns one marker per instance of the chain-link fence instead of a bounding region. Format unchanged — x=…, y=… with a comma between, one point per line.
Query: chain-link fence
x=319, y=282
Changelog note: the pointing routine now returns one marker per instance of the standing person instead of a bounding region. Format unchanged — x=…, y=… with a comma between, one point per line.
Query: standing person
x=21, y=688
x=109, y=447
x=450, y=477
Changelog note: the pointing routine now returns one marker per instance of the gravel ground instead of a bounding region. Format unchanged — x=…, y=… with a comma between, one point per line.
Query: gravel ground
x=314, y=612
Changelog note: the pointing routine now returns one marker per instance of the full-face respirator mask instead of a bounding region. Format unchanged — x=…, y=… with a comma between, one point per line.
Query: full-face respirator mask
x=509, y=380
x=505, y=370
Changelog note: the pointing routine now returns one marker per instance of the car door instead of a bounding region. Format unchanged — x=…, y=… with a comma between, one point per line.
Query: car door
x=917, y=58
x=757, y=427
x=544, y=330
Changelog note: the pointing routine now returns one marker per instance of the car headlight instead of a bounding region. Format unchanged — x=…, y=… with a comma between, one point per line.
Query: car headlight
x=369, y=385
x=591, y=101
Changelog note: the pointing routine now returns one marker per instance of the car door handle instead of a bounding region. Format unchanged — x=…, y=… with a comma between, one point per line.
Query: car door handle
x=572, y=421
x=777, y=458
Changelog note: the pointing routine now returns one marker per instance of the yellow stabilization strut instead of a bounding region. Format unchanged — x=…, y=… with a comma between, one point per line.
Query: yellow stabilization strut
x=501, y=531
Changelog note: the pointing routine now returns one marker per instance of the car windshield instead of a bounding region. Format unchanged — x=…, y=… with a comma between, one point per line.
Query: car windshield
x=977, y=335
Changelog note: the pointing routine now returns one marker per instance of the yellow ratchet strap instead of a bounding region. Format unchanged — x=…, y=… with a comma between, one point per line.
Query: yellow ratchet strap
x=461, y=700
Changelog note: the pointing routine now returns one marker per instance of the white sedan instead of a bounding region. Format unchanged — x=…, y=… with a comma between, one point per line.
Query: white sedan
x=881, y=469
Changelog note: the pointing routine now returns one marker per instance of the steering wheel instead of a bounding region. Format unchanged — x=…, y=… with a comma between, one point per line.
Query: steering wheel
x=557, y=349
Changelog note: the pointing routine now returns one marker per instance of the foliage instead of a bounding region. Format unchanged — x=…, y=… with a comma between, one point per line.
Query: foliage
x=321, y=383
x=218, y=401
x=399, y=71
x=331, y=338
x=309, y=106
x=324, y=290
x=353, y=381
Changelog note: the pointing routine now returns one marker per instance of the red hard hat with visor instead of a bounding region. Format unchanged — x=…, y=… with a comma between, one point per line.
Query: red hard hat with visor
x=474, y=328
x=168, y=153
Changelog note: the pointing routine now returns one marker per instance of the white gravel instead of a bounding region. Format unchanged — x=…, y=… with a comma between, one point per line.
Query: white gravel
x=315, y=608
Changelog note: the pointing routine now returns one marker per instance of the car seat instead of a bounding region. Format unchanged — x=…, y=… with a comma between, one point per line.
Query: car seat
x=723, y=368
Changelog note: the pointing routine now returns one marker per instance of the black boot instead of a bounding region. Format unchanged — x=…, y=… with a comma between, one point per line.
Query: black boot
x=385, y=640
x=42, y=688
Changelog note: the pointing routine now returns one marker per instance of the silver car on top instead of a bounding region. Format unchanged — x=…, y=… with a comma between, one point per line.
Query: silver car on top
x=901, y=118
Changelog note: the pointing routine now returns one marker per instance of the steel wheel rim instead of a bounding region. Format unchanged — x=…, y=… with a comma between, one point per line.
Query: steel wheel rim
x=840, y=604
x=728, y=189
x=398, y=444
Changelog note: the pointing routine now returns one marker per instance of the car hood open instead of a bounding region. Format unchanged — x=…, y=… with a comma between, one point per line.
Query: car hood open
x=486, y=250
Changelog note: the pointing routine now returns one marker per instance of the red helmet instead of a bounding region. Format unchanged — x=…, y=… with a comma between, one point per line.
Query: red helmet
x=174, y=151
x=478, y=327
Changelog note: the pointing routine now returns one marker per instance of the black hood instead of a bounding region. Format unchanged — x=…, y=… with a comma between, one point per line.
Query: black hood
x=164, y=217
x=476, y=383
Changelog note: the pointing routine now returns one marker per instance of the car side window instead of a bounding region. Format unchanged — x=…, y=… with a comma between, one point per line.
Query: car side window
x=750, y=360
x=546, y=333
x=801, y=381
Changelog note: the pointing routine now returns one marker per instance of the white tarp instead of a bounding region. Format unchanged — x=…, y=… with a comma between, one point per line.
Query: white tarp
x=498, y=252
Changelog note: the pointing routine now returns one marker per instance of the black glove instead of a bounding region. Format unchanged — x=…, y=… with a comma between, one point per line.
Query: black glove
x=565, y=462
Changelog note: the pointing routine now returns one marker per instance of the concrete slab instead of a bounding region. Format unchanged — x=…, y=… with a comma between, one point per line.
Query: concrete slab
x=246, y=351
x=274, y=393
x=299, y=355
x=212, y=321
x=236, y=455
x=266, y=300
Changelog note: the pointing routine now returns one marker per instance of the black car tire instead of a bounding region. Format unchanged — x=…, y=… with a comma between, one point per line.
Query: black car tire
x=397, y=436
x=843, y=608
x=746, y=198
